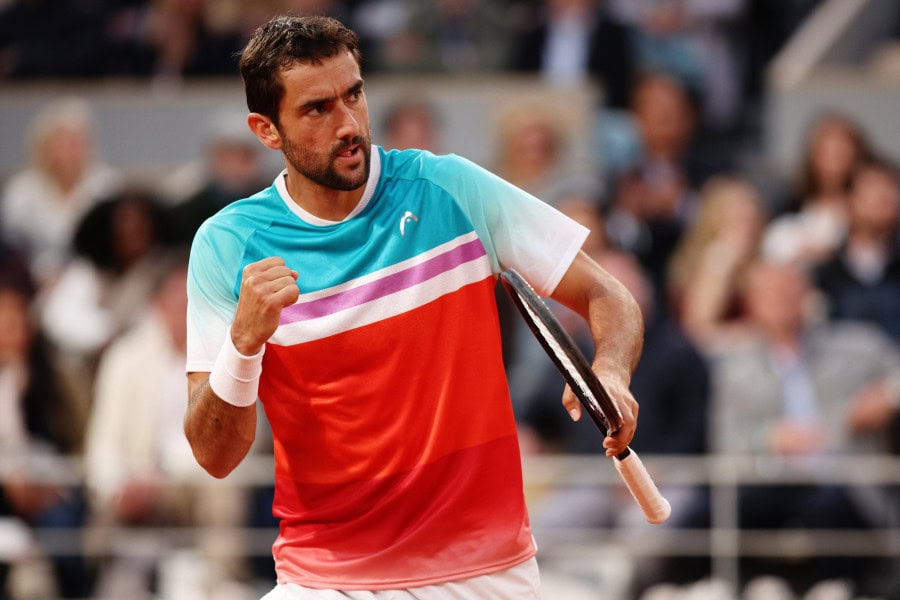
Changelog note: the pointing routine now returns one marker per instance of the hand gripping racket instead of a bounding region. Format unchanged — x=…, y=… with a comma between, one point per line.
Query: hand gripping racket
x=587, y=387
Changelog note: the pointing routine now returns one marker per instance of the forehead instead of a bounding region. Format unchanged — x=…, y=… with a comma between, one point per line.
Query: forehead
x=331, y=77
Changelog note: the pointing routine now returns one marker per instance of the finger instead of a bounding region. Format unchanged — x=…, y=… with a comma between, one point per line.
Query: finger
x=276, y=272
x=287, y=291
x=571, y=404
x=614, y=445
x=259, y=268
x=265, y=264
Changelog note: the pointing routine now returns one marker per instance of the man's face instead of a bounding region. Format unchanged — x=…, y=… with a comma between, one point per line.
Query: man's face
x=324, y=123
x=875, y=201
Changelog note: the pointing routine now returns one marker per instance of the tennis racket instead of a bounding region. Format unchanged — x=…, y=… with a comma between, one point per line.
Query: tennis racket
x=587, y=387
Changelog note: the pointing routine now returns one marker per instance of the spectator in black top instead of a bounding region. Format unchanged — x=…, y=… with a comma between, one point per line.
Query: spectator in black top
x=571, y=41
x=862, y=281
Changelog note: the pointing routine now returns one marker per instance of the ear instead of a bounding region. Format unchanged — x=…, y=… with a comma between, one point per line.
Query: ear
x=264, y=129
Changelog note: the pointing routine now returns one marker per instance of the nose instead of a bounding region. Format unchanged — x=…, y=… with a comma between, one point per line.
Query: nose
x=348, y=122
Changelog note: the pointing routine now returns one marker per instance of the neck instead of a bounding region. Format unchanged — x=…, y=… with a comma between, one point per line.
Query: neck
x=784, y=337
x=320, y=201
x=869, y=237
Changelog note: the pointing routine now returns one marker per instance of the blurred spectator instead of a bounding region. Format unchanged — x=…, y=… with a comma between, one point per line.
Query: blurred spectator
x=570, y=42
x=106, y=286
x=42, y=203
x=805, y=391
x=654, y=199
x=41, y=426
x=411, y=123
x=816, y=222
x=233, y=167
x=531, y=147
x=693, y=40
x=138, y=465
x=862, y=281
x=705, y=275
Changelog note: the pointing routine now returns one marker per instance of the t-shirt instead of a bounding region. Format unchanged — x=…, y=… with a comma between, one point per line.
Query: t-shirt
x=396, y=457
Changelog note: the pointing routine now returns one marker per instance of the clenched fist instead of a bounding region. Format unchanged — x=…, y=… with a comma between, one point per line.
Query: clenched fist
x=267, y=286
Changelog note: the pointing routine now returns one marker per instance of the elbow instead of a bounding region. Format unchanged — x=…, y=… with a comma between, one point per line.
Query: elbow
x=216, y=465
x=213, y=458
x=218, y=471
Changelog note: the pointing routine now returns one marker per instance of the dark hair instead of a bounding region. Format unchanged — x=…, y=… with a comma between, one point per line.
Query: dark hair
x=14, y=272
x=93, y=238
x=875, y=162
x=282, y=42
x=808, y=186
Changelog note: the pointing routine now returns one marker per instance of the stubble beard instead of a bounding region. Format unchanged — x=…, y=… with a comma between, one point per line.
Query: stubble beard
x=324, y=173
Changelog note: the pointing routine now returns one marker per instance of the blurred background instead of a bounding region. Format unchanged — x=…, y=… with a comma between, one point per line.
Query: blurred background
x=736, y=161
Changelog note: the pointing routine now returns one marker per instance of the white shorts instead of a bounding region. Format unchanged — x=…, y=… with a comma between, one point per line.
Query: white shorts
x=521, y=582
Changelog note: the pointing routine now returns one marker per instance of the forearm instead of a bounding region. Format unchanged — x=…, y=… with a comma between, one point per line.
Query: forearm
x=614, y=316
x=220, y=433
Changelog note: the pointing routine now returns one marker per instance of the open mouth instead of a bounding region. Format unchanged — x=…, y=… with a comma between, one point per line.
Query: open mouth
x=351, y=151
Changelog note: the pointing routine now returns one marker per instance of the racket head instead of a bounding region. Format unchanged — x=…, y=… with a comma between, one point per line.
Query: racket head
x=563, y=351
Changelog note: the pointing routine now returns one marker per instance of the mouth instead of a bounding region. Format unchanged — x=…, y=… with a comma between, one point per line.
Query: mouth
x=350, y=152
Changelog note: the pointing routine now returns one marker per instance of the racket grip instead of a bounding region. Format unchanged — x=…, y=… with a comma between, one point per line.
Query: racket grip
x=656, y=509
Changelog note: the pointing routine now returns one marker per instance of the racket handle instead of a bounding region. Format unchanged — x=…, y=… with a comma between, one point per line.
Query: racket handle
x=656, y=509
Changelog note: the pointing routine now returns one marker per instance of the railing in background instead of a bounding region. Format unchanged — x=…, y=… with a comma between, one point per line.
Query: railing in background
x=725, y=542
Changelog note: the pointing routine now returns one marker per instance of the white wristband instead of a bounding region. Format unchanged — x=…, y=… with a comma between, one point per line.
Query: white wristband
x=235, y=376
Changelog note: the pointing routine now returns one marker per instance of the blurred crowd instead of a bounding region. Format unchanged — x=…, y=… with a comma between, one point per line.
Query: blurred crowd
x=771, y=299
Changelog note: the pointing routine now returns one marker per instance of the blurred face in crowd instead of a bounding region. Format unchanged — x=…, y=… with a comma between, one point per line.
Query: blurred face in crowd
x=776, y=298
x=664, y=116
x=875, y=201
x=15, y=326
x=834, y=150
x=412, y=126
x=535, y=143
x=66, y=152
x=134, y=232
x=582, y=9
x=741, y=218
x=528, y=144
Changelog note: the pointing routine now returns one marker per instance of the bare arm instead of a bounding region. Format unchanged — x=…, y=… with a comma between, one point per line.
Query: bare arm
x=221, y=433
x=617, y=328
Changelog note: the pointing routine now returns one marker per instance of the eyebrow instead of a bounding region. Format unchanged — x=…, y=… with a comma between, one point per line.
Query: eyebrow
x=356, y=87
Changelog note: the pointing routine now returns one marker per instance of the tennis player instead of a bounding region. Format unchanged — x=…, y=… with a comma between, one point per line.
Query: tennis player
x=355, y=298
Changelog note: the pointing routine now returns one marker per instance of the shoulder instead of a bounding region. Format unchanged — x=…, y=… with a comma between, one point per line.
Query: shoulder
x=242, y=217
x=22, y=188
x=422, y=164
x=852, y=337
